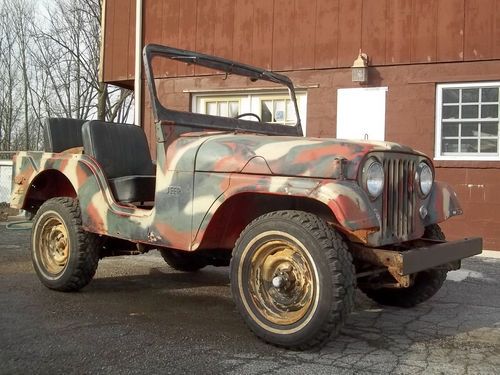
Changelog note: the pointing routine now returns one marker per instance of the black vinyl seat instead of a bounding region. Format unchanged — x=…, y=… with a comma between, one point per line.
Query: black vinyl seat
x=61, y=134
x=123, y=153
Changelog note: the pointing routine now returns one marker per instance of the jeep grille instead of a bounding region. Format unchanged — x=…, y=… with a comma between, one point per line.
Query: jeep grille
x=399, y=198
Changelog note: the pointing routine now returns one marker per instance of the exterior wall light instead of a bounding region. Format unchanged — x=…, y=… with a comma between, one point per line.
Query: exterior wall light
x=360, y=68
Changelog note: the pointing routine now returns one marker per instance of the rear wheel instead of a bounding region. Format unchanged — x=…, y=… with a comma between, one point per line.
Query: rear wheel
x=64, y=255
x=426, y=284
x=292, y=279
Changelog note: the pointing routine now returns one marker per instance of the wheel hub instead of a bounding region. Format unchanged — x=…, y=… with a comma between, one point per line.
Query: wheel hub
x=284, y=278
x=282, y=285
x=279, y=282
x=54, y=245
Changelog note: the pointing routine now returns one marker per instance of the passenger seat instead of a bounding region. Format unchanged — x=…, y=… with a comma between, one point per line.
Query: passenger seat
x=122, y=152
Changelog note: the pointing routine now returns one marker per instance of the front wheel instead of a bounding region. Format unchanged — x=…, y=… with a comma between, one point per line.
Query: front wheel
x=292, y=279
x=64, y=255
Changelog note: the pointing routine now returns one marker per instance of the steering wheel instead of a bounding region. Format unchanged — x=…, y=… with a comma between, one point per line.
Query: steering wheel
x=249, y=114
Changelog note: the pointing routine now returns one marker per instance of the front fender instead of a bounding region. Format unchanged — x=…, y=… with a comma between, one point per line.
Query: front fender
x=347, y=201
x=349, y=204
x=443, y=204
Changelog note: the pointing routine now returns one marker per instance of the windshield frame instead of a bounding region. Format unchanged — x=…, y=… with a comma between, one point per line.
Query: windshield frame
x=198, y=121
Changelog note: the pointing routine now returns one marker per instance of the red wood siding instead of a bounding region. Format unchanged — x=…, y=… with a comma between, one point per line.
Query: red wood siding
x=282, y=56
x=349, y=21
x=224, y=30
x=119, y=40
x=187, y=32
x=481, y=36
x=262, y=40
x=243, y=30
x=450, y=31
x=286, y=35
x=327, y=34
x=424, y=31
x=374, y=30
x=304, y=34
x=398, y=32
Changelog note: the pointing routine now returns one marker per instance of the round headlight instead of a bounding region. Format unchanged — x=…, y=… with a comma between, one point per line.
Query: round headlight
x=425, y=179
x=373, y=177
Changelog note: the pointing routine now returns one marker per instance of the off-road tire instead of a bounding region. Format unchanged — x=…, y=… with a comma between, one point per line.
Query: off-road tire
x=84, y=247
x=426, y=285
x=183, y=261
x=327, y=253
x=434, y=232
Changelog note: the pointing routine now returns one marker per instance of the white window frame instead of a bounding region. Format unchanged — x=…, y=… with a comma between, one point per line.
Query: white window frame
x=277, y=98
x=251, y=101
x=438, y=124
x=204, y=100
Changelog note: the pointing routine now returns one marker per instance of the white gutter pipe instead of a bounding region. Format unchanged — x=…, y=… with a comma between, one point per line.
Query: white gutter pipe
x=138, y=63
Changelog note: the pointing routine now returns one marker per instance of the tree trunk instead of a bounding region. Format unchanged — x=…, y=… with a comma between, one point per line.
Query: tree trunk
x=101, y=101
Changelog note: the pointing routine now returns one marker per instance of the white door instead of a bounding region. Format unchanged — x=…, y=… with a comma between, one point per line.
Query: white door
x=361, y=113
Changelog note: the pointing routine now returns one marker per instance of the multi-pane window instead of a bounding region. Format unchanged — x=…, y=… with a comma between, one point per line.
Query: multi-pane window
x=270, y=106
x=222, y=107
x=278, y=110
x=468, y=121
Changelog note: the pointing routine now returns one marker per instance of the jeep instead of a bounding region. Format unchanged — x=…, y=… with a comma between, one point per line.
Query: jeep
x=300, y=221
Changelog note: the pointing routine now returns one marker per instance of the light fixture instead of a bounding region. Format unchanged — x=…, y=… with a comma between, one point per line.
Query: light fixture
x=360, y=68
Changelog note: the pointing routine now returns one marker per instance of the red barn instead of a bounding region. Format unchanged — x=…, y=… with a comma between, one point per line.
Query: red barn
x=433, y=76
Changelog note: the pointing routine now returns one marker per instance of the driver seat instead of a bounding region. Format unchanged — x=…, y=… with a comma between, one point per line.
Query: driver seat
x=122, y=152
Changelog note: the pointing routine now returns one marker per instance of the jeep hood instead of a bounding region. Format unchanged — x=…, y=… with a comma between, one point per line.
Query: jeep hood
x=287, y=156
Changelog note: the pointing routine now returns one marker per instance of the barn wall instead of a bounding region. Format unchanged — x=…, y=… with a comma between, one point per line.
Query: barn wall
x=413, y=45
x=286, y=35
x=410, y=119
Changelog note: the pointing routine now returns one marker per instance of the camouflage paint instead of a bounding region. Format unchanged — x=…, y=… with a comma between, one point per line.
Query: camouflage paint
x=198, y=172
x=288, y=156
x=442, y=203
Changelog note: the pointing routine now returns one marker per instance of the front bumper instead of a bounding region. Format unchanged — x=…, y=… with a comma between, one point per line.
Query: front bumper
x=437, y=254
x=420, y=255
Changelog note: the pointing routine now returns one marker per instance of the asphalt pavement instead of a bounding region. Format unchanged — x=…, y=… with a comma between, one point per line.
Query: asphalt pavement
x=139, y=316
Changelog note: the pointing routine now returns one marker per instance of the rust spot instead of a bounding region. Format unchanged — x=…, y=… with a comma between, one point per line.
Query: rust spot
x=359, y=236
x=20, y=180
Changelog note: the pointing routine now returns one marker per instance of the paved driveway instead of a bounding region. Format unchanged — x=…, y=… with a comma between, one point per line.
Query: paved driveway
x=139, y=316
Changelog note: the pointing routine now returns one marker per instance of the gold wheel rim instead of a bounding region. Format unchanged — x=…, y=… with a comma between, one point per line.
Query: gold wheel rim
x=54, y=245
x=282, y=282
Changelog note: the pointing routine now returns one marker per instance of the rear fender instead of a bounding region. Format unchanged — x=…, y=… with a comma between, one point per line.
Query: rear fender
x=46, y=185
x=86, y=179
x=40, y=176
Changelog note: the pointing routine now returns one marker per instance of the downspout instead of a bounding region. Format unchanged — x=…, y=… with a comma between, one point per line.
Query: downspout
x=138, y=64
x=101, y=101
x=103, y=38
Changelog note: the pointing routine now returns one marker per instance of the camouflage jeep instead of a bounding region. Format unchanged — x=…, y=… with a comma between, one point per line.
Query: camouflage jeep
x=301, y=221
